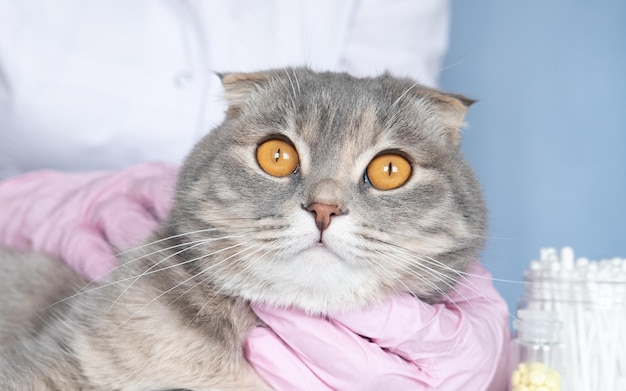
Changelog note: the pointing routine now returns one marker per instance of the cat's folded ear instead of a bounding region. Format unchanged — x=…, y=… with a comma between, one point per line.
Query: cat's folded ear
x=452, y=108
x=239, y=88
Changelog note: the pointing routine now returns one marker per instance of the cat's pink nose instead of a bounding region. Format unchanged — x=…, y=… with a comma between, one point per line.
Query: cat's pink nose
x=323, y=214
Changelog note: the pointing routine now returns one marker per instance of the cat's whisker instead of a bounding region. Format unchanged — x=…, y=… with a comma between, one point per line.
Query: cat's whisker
x=412, y=255
x=418, y=269
x=157, y=297
x=397, y=101
x=462, y=275
x=195, y=243
x=463, y=280
x=219, y=290
x=406, y=264
x=413, y=261
x=295, y=78
x=451, y=282
x=293, y=90
x=469, y=285
x=151, y=270
x=146, y=272
x=477, y=276
x=83, y=290
x=459, y=60
x=128, y=262
x=166, y=239
x=137, y=248
x=467, y=235
x=392, y=275
x=232, y=264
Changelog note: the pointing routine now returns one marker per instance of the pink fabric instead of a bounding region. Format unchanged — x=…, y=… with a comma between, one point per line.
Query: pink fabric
x=81, y=217
x=403, y=344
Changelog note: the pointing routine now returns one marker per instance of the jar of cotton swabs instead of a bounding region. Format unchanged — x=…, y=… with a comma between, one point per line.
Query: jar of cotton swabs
x=587, y=299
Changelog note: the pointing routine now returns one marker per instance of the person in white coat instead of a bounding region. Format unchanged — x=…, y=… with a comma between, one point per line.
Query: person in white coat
x=110, y=83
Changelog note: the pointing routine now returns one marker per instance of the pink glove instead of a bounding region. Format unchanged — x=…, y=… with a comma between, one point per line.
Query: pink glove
x=403, y=344
x=82, y=217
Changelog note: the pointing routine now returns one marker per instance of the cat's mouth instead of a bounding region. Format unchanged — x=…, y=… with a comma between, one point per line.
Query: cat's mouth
x=321, y=246
x=322, y=252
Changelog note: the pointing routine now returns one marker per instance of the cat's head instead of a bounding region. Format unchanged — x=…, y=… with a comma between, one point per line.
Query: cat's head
x=328, y=192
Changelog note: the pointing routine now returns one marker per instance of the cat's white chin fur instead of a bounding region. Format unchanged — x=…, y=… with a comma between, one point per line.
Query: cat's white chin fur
x=318, y=282
x=316, y=278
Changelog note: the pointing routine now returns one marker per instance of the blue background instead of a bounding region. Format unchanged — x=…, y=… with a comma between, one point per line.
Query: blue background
x=548, y=135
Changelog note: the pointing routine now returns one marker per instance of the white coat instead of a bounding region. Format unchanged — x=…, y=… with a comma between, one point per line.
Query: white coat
x=101, y=84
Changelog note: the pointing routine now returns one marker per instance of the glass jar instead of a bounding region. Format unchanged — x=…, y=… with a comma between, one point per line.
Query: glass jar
x=588, y=299
x=537, y=353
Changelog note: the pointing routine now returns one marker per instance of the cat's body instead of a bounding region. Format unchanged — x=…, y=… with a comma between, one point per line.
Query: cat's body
x=128, y=337
x=325, y=236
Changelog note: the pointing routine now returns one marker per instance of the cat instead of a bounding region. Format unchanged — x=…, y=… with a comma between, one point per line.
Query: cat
x=320, y=191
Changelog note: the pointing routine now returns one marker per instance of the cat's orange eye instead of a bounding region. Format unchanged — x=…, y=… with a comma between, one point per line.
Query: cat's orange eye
x=388, y=171
x=277, y=157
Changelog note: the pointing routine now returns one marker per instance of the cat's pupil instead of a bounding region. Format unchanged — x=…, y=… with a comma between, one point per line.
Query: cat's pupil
x=277, y=155
x=390, y=169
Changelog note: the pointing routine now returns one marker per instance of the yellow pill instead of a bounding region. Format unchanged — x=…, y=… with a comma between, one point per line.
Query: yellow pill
x=523, y=378
x=515, y=378
x=537, y=366
x=537, y=377
x=553, y=380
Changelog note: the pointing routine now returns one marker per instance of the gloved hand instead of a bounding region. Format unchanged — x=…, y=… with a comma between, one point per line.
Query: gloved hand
x=82, y=217
x=403, y=344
